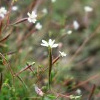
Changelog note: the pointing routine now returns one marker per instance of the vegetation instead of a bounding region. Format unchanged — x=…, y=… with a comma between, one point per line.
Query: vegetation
x=49, y=50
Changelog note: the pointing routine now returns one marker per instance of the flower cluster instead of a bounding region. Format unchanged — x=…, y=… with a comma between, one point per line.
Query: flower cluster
x=3, y=12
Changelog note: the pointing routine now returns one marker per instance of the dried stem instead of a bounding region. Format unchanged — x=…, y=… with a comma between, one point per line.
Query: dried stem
x=27, y=67
x=91, y=78
x=92, y=92
x=55, y=60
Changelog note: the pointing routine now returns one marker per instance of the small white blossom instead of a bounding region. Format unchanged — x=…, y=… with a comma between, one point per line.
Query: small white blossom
x=32, y=17
x=69, y=32
x=78, y=91
x=62, y=54
x=38, y=91
x=14, y=8
x=38, y=26
x=45, y=11
x=53, y=1
x=88, y=9
x=50, y=43
x=3, y=12
x=76, y=25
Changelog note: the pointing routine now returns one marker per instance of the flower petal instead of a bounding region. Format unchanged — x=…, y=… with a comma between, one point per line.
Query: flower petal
x=46, y=45
x=28, y=14
x=55, y=45
x=51, y=42
x=45, y=42
x=33, y=20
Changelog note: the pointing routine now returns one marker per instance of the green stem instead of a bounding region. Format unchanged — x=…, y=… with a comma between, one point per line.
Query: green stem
x=50, y=65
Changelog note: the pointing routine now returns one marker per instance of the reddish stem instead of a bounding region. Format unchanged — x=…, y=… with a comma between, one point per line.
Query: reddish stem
x=92, y=92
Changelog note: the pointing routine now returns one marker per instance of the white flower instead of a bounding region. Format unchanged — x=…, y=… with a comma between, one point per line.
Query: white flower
x=44, y=11
x=32, y=17
x=14, y=8
x=88, y=9
x=3, y=12
x=76, y=25
x=50, y=43
x=53, y=1
x=38, y=91
x=69, y=32
x=62, y=54
x=78, y=91
x=38, y=26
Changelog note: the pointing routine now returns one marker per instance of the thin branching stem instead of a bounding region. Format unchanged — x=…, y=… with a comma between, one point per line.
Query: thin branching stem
x=50, y=65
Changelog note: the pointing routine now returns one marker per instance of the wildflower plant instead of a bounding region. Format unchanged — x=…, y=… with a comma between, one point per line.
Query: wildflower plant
x=50, y=44
x=16, y=62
